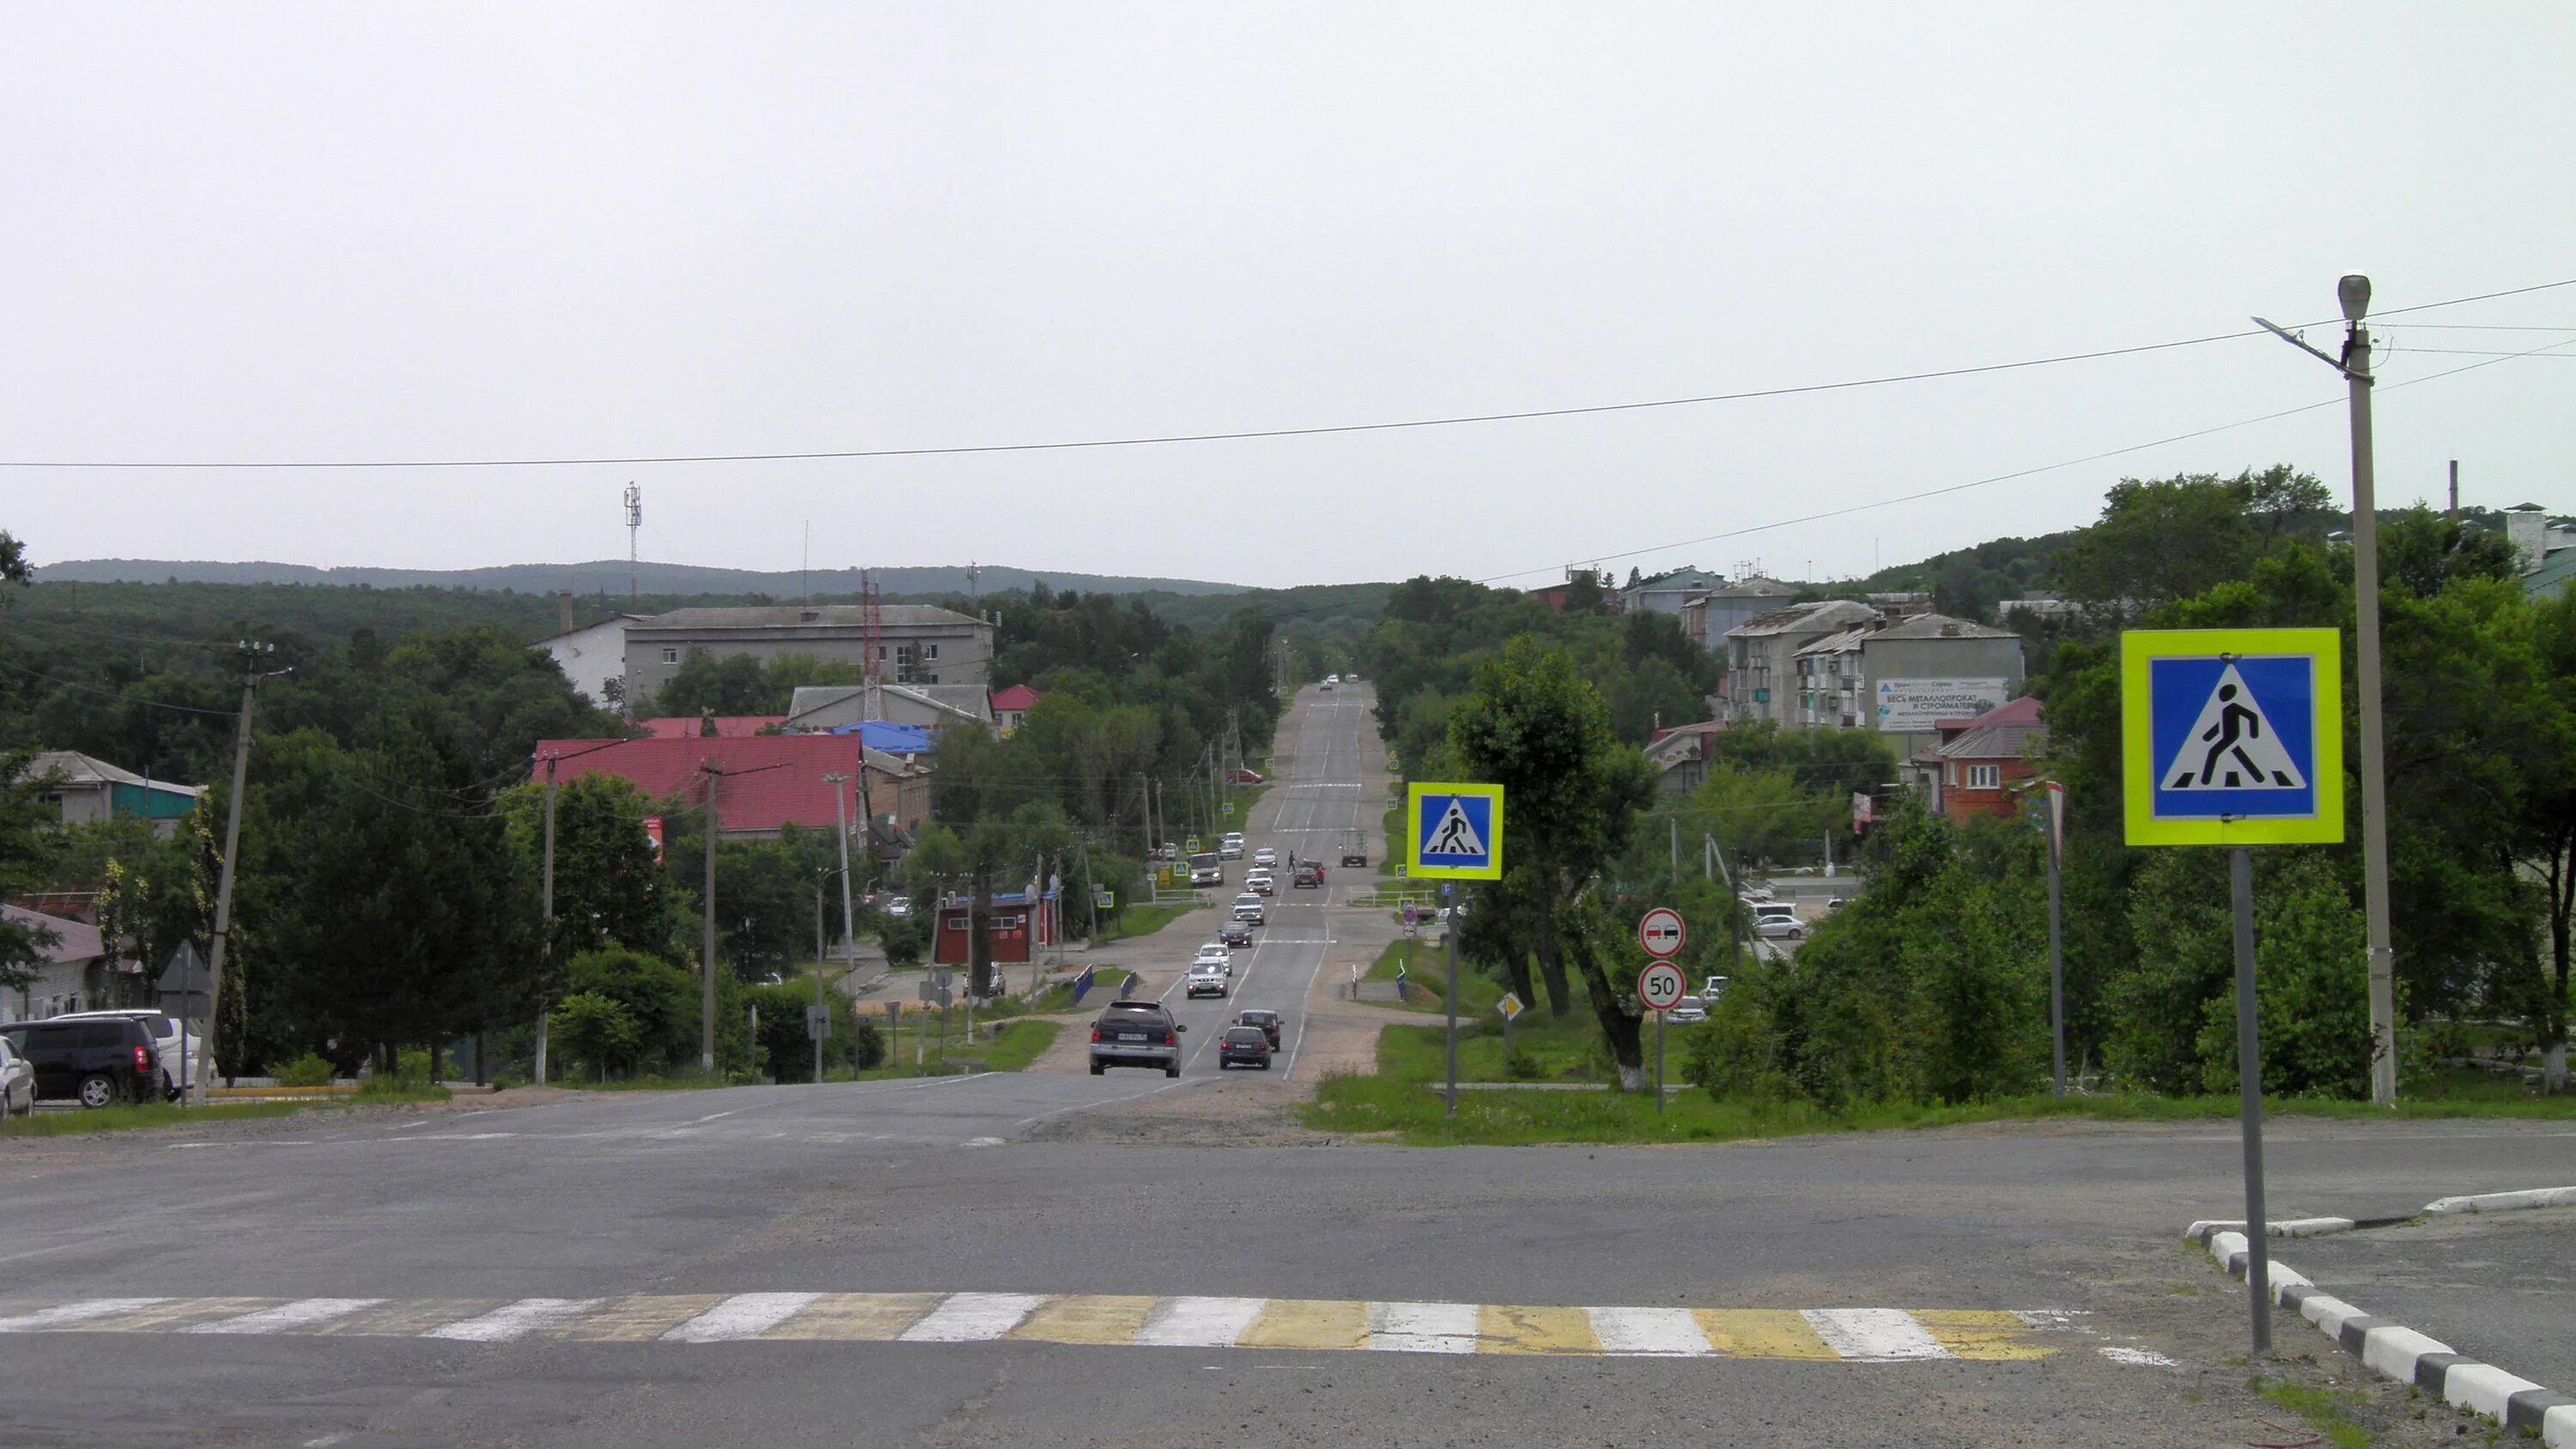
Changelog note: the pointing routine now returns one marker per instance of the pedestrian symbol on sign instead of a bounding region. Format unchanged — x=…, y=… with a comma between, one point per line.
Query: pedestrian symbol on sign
x=2243, y=751
x=1454, y=835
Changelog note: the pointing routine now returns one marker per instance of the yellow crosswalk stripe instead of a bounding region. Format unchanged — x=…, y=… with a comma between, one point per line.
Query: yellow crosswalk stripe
x=1762, y=1333
x=856, y=1317
x=1307, y=1323
x=1983, y=1334
x=1535, y=1330
x=1118, y=1320
x=1086, y=1318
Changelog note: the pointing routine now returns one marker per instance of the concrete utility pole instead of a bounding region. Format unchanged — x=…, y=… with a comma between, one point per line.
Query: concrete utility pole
x=252, y=654
x=2354, y=294
x=849, y=932
x=546, y=954
x=707, y=1011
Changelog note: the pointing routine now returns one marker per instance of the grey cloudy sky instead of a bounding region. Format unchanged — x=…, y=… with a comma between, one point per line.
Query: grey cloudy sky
x=329, y=231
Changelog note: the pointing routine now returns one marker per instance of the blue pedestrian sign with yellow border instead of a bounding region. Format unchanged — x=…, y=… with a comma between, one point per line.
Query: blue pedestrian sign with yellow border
x=2232, y=736
x=1456, y=830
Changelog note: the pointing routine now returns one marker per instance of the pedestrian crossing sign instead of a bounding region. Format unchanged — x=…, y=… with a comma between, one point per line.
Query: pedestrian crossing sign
x=2232, y=736
x=1456, y=830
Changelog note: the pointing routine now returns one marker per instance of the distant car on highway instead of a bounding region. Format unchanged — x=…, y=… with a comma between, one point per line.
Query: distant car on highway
x=1231, y=848
x=1207, y=980
x=1268, y=1021
x=1207, y=868
x=1328, y=684
x=1244, y=777
x=1310, y=874
x=1265, y=857
x=1780, y=927
x=898, y=906
x=1243, y=1045
x=1136, y=1034
x=1259, y=883
x=1234, y=933
x=1249, y=910
x=17, y=1083
x=1216, y=954
x=1354, y=849
x=1687, y=1010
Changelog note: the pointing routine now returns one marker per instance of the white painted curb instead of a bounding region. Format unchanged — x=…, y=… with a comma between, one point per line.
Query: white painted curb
x=2290, y=1228
x=2400, y=1353
x=2496, y=1202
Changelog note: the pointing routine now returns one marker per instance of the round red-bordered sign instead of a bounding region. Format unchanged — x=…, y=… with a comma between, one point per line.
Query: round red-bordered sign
x=1661, y=933
x=1661, y=986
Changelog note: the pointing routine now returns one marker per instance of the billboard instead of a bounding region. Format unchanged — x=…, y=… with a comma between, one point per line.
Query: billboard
x=1914, y=706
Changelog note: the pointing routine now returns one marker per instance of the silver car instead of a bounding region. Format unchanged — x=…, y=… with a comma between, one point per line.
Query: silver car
x=17, y=1083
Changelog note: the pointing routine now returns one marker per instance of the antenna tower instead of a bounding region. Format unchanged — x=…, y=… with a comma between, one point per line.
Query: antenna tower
x=634, y=521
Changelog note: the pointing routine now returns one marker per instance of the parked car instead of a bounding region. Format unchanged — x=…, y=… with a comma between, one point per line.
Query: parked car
x=1687, y=1010
x=1310, y=874
x=1268, y=1021
x=17, y=1083
x=1265, y=857
x=898, y=906
x=1234, y=933
x=183, y=1063
x=1247, y=1045
x=98, y=1062
x=1780, y=928
x=1136, y=1034
x=1216, y=954
x=1207, y=980
x=1249, y=910
x=1168, y=850
x=1259, y=883
x=1712, y=989
x=1244, y=777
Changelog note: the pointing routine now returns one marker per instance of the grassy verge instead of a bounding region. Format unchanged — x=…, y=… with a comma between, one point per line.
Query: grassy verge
x=1019, y=1044
x=1426, y=979
x=1129, y=922
x=2328, y=1411
x=150, y=1116
x=1398, y=1100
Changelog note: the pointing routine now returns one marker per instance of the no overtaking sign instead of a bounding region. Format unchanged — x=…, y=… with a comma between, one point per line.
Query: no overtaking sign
x=1661, y=933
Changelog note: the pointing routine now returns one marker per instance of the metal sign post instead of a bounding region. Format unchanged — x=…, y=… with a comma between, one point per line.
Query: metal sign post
x=2234, y=737
x=1661, y=986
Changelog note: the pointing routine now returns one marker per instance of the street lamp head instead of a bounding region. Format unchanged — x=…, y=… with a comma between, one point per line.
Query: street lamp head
x=2354, y=292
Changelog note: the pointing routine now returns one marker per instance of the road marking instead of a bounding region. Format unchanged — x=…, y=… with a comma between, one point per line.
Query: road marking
x=64, y=1315
x=1658, y=1332
x=1848, y=1335
x=1422, y=1327
x=300, y=1313
x=1198, y=1322
x=1874, y=1334
x=744, y=1315
x=973, y=1317
x=516, y=1320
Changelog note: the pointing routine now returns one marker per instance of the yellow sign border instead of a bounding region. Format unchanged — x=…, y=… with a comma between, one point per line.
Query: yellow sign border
x=1415, y=869
x=2138, y=766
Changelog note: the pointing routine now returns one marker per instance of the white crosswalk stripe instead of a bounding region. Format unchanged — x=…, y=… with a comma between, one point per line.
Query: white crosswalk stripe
x=516, y=1320
x=1874, y=1335
x=1199, y=1322
x=744, y=1315
x=302, y=1313
x=1422, y=1327
x=65, y=1315
x=973, y=1317
x=1655, y=1332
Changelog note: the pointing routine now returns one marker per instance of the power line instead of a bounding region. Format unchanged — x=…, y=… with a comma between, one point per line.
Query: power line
x=1244, y=435
x=2021, y=472
x=120, y=695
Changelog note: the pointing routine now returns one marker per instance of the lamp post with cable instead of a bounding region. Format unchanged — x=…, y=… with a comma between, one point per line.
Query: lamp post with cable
x=2353, y=291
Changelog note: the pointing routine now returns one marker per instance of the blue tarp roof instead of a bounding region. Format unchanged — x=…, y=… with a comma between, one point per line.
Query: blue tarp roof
x=892, y=739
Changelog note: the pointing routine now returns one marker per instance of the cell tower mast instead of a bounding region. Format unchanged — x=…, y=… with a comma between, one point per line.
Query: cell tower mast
x=634, y=521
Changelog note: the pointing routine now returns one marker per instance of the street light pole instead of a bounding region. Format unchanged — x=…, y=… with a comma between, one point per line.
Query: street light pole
x=2354, y=293
x=252, y=654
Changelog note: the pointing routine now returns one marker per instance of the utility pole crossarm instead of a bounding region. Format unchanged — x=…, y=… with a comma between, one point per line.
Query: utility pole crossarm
x=2277, y=330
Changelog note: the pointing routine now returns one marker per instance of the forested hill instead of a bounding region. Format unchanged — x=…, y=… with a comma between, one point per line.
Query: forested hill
x=609, y=577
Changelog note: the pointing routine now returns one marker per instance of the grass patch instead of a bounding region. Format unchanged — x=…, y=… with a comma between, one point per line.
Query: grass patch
x=384, y=1090
x=1127, y=923
x=1426, y=975
x=1019, y=1044
x=148, y=1115
x=2328, y=1411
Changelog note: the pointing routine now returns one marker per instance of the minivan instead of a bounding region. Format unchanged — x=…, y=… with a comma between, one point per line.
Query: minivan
x=98, y=1061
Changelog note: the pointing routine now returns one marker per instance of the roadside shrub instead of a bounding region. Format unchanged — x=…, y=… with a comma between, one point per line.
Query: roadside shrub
x=905, y=940
x=867, y=1046
x=1520, y=1066
x=307, y=1070
x=596, y=1031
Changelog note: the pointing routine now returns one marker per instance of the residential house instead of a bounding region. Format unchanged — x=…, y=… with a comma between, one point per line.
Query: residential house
x=592, y=656
x=1587, y=584
x=916, y=644
x=1665, y=593
x=2546, y=549
x=87, y=790
x=74, y=975
x=1762, y=658
x=1706, y=617
x=1982, y=766
x=1932, y=668
x=1680, y=756
x=1895, y=608
x=765, y=782
x=1013, y=705
x=923, y=706
x=1832, y=692
x=727, y=726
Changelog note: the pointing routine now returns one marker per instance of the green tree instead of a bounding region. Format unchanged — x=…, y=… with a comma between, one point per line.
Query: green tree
x=26, y=849
x=2174, y=538
x=660, y=998
x=596, y=1031
x=1571, y=793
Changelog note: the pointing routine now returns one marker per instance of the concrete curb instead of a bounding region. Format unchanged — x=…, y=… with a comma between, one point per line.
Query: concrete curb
x=2496, y=1202
x=2400, y=1353
x=2199, y=1232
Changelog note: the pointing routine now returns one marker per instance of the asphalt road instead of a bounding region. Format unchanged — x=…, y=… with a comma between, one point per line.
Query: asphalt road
x=969, y=1262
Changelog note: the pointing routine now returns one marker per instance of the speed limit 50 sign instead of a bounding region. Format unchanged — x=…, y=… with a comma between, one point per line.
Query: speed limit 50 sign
x=1661, y=986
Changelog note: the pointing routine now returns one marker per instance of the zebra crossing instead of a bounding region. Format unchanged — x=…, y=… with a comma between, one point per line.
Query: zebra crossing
x=1823, y=1335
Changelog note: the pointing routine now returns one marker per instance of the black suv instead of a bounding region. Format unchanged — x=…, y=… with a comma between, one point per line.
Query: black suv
x=1136, y=1034
x=100, y=1062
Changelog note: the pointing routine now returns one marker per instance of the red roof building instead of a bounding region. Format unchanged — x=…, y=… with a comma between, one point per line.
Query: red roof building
x=767, y=781
x=728, y=726
x=1981, y=764
x=1011, y=705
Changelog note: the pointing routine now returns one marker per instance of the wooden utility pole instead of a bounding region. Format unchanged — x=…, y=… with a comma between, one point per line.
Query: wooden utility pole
x=547, y=951
x=707, y=1011
x=252, y=655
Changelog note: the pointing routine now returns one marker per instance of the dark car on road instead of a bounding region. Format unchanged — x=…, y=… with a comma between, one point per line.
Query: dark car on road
x=1248, y=1045
x=1235, y=933
x=96, y=1061
x=1136, y=1034
x=1268, y=1021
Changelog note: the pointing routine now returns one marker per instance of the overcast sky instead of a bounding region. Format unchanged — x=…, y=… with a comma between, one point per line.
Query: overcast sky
x=332, y=231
